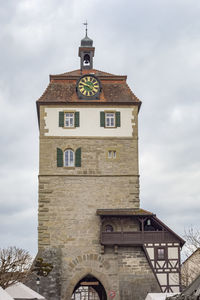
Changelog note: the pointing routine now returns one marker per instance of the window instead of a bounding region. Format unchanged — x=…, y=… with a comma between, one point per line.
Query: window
x=160, y=253
x=109, y=154
x=110, y=119
x=112, y=154
x=69, y=158
x=108, y=228
x=69, y=119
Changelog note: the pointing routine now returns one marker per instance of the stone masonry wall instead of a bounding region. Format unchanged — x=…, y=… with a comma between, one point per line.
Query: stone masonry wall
x=50, y=286
x=136, y=278
x=69, y=197
x=127, y=272
x=94, y=156
x=67, y=207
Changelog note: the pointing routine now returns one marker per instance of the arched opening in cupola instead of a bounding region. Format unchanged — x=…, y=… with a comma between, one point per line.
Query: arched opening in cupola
x=86, y=60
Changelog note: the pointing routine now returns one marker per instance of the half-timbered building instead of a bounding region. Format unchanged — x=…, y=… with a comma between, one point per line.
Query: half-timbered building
x=159, y=243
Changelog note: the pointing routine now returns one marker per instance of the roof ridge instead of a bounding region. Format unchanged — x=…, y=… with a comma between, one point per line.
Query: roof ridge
x=73, y=72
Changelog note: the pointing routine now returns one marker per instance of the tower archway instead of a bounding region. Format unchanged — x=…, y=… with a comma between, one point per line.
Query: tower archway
x=89, y=288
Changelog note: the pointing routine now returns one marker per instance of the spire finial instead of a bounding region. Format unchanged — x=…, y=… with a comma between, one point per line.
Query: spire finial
x=86, y=24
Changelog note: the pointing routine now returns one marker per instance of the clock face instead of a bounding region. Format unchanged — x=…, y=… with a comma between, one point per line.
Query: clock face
x=88, y=86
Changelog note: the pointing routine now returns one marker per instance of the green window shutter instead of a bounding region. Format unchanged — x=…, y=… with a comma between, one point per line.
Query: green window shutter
x=59, y=158
x=118, y=119
x=102, y=118
x=61, y=118
x=78, y=158
x=77, y=119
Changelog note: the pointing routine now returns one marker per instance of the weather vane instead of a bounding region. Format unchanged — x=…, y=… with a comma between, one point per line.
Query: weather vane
x=86, y=24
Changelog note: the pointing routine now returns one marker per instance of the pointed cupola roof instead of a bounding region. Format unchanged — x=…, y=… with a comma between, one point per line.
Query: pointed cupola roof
x=86, y=42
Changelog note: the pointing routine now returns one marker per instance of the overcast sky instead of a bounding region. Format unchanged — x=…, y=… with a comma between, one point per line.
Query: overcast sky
x=156, y=43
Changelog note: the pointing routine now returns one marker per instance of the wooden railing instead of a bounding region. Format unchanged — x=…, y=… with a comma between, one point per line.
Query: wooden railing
x=136, y=238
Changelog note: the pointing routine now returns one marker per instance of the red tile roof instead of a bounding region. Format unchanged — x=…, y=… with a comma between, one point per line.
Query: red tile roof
x=62, y=89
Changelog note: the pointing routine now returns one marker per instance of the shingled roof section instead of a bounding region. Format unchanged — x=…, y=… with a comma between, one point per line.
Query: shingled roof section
x=124, y=212
x=62, y=89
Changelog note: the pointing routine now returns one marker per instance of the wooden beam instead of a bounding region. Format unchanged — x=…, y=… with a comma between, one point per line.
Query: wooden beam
x=87, y=283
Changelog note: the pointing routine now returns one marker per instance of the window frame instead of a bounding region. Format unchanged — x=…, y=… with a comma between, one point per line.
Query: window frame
x=107, y=227
x=69, y=150
x=164, y=257
x=69, y=112
x=114, y=118
x=112, y=154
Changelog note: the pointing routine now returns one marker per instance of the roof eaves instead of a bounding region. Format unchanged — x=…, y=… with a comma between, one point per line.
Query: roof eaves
x=168, y=229
x=123, y=212
x=80, y=102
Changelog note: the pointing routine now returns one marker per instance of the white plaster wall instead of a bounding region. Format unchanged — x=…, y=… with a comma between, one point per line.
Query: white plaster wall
x=89, y=122
x=175, y=289
x=162, y=278
x=173, y=253
x=173, y=278
x=150, y=251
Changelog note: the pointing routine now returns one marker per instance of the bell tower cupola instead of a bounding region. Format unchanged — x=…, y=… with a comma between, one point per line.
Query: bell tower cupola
x=86, y=51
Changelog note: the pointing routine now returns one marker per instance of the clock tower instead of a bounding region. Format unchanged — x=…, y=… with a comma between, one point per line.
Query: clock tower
x=86, y=52
x=101, y=244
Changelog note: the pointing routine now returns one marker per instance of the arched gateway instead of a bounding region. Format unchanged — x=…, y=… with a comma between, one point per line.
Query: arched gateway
x=89, y=288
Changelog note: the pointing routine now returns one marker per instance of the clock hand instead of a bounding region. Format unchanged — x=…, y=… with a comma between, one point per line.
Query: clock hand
x=88, y=85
